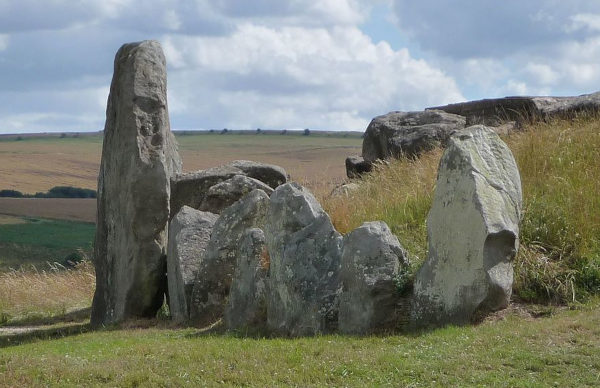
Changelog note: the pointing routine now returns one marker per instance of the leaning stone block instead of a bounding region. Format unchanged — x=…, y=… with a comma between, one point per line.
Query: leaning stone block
x=371, y=259
x=189, y=233
x=304, y=273
x=209, y=296
x=247, y=304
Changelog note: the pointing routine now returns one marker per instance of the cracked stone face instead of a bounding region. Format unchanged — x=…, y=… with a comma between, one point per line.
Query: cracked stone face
x=139, y=159
x=304, y=274
x=472, y=229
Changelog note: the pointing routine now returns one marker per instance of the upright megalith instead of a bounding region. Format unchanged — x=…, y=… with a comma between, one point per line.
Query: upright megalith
x=371, y=260
x=304, y=273
x=189, y=234
x=139, y=158
x=473, y=232
x=247, y=304
x=217, y=267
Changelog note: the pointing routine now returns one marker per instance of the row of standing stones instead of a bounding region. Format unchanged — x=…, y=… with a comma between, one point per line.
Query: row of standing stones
x=240, y=242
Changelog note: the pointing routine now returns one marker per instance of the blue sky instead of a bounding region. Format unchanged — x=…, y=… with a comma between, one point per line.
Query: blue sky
x=321, y=64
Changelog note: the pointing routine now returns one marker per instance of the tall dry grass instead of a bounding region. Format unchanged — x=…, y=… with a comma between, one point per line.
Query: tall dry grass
x=559, y=259
x=34, y=293
x=560, y=231
x=398, y=192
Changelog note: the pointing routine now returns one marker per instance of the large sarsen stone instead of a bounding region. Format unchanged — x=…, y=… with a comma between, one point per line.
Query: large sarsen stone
x=247, y=304
x=371, y=259
x=209, y=296
x=473, y=232
x=304, y=273
x=189, y=234
x=139, y=158
x=408, y=133
x=192, y=189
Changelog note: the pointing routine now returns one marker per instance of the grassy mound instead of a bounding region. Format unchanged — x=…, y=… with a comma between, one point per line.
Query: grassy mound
x=559, y=259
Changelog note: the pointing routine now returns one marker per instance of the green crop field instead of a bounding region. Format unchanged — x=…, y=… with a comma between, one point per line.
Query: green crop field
x=25, y=241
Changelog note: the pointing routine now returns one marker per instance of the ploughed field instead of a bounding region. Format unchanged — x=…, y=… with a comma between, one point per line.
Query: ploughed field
x=36, y=163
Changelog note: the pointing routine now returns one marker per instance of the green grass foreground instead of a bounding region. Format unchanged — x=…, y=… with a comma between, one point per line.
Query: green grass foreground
x=561, y=349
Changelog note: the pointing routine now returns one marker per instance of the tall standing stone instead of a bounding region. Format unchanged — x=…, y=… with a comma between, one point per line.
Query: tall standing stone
x=304, y=272
x=473, y=232
x=217, y=268
x=247, y=304
x=139, y=158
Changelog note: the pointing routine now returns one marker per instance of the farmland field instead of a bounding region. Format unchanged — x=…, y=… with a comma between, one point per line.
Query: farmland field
x=35, y=164
x=72, y=209
x=26, y=241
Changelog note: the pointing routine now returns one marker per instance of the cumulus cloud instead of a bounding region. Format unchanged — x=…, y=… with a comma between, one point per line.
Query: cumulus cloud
x=296, y=77
x=489, y=28
x=294, y=63
x=588, y=21
x=509, y=47
x=3, y=42
x=298, y=12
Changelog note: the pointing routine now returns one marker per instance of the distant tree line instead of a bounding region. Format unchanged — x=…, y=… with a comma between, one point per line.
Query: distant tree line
x=55, y=192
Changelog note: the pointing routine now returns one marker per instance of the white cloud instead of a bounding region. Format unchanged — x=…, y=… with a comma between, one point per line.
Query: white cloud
x=584, y=21
x=299, y=77
x=4, y=39
x=542, y=74
x=321, y=13
x=293, y=63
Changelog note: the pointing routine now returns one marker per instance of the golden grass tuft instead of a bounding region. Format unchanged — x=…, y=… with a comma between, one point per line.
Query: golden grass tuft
x=34, y=293
x=398, y=192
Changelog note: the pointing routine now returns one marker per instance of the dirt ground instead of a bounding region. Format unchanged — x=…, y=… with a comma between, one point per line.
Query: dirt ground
x=73, y=209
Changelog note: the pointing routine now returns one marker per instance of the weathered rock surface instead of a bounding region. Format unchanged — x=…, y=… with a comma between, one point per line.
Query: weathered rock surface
x=304, y=274
x=224, y=194
x=345, y=190
x=356, y=166
x=247, y=304
x=473, y=230
x=209, y=296
x=371, y=258
x=191, y=188
x=495, y=111
x=189, y=233
x=139, y=159
x=408, y=133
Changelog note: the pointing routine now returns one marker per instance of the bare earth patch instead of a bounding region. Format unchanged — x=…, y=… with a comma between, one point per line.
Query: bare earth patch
x=72, y=209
